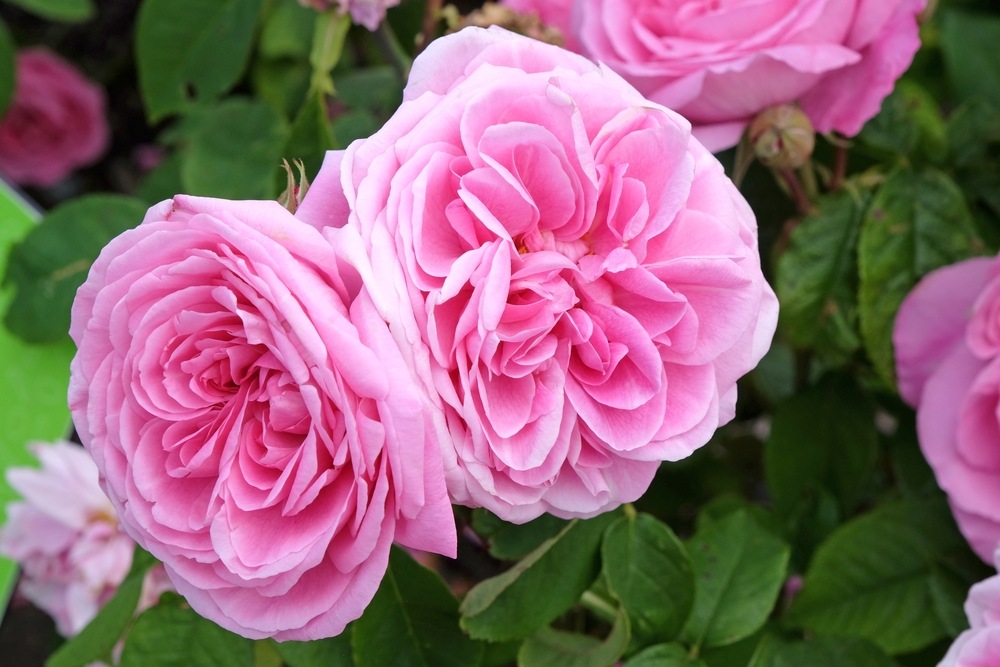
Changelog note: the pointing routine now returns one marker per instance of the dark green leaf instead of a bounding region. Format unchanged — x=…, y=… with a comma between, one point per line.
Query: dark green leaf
x=58, y=10
x=973, y=132
x=540, y=587
x=96, y=641
x=191, y=51
x=648, y=570
x=822, y=439
x=7, y=69
x=53, y=260
x=817, y=277
x=917, y=222
x=332, y=652
x=909, y=123
x=171, y=634
x=282, y=83
x=555, y=648
x=663, y=655
x=311, y=135
x=872, y=577
x=375, y=88
x=739, y=568
x=413, y=620
x=287, y=31
x=948, y=594
x=828, y=652
x=969, y=44
x=233, y=150
x=509, y=541
x=163, y=182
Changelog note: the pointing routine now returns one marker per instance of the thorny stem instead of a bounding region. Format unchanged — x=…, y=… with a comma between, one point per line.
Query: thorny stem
x=799, y=196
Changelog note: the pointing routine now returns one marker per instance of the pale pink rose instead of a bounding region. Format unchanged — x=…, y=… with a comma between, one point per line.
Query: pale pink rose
x=947, y=339
x=252, y=418
x=65, y=536
x=368, y=13
x=720, y=62
x=55, y=123
x=570, y=272
x=979, y=646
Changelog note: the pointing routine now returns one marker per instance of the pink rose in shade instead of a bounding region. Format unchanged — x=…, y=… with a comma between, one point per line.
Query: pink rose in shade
x=252, y=418
x=65, y=536
x=979, y=646
x=55, y=122
x=720, y=62
x=947, y=339
x=570, y=273
x=368, y=13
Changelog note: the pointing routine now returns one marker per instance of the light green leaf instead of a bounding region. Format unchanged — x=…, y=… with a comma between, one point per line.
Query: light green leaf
x=171, y=634
x=872, y=578
x=58, y=10
x=413, y=620
x=191, y=51
x=739, y=568
x=817, y=277
x=540, y=587
x=232, y=150
x=48, y=266
x=663, y=655
x=555, y=648
x=647, y=568
x=917, y=222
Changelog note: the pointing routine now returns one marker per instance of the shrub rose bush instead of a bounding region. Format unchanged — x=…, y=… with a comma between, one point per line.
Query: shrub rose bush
x=721, y=63
x=570, y=272
x=252, y=419
x=55, y=122
x=947, y=339
x=65, y=535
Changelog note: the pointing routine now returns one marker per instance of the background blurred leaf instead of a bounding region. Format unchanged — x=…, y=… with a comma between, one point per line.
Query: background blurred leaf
x=828, y=652
x=663, y=655
x=556, y=648
x=969, y=44
x=330, y=652
x=57, y=10
x=52, y=261
x=7, y=67
x=191, y=51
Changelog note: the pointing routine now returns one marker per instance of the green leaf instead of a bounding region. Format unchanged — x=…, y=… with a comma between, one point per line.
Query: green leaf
x=909, y=123
x=973, y=133
x=540, y=587
x=7, y=69
x=332, y=652
x=555, y=648
x=969, y=42
x=163, y=182
x=96, y=641
x=739, y=568
x=817, y=277
x=828, y=652
x=191, y=51
x=510, y=541
x=823, y=438
x=872, y=577
x=948, y=594
x=48, y=266
x=373, y=88
x=282, y=83
x=413, y=620
x=57, y=10
x=232, y=150
x=171, y=634
x=287, y=31
x=917, y=222
x=311, y=135
x=663, y=655
x=648, y=570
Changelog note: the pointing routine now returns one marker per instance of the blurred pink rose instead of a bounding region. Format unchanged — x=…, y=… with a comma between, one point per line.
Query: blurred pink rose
x=368, y=13
x=719, y=63
x=55, y=122
x=572, y=275
x=65, y=536
x=947, y=339
x=553, y=13
x=979, y=646
x=253, y=421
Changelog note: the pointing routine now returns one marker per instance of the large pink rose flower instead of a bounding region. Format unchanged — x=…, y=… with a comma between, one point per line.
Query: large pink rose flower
x=947, y=339
x=720, y=62
x=252, y=418
x=55, y=122
x=979, y=646
x=573, y=276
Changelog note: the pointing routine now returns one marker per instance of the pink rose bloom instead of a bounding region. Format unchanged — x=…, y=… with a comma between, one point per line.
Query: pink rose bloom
x=719, y=63
x=570, y=273
x=979, y=646
x=947, y=339
x=368, y=13
x=252, y=419
x=55, y=122
x=65, y=536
